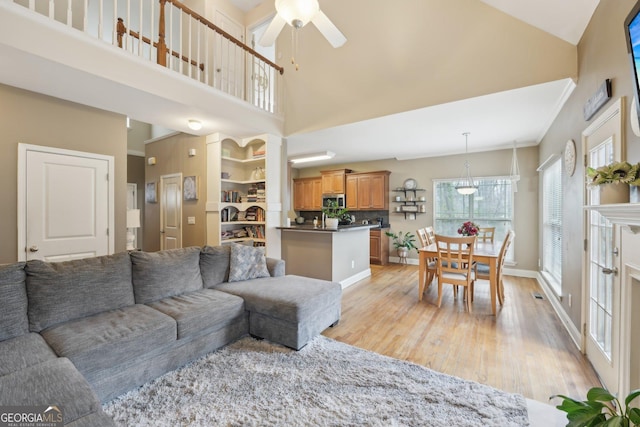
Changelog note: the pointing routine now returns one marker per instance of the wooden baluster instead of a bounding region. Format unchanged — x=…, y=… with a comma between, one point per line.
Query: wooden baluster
x=121, y=30
x=162, y=47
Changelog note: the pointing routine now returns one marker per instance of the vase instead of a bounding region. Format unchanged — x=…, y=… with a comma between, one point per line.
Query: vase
x=634, y=194
x=331, y=223
x=614, y=193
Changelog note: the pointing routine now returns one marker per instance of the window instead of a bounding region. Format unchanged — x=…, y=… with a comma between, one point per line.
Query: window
x=552, y=224
x=490, y=206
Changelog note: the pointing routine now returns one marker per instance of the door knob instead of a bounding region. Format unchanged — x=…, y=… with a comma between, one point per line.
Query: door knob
x=33, y=248
x=613, y=271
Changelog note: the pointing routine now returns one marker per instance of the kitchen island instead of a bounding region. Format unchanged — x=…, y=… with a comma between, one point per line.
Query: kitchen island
x=340, y=255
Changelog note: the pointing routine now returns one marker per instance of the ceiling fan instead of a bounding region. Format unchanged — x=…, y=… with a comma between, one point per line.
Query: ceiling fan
x=299, y=13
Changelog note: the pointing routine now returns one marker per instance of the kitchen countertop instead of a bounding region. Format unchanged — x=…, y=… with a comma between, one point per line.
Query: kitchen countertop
x=341, y=228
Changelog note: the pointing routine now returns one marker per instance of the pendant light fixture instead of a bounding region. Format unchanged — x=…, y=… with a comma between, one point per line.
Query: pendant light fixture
x=467, y=185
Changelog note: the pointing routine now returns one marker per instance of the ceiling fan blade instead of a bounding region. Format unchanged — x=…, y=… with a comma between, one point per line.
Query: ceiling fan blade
x=328, y=30
x=272, y=31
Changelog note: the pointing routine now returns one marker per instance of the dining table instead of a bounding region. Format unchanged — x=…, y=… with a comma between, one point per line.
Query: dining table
x=484, y=252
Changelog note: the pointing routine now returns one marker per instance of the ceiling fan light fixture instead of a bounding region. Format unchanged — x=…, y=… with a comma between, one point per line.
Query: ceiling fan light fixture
x=297, y=13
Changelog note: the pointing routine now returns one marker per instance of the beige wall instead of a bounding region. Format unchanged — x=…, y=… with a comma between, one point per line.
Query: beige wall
x=30, y=118
x=172, y=156
x=433, y=52
x=602, y=53
x=494, y=163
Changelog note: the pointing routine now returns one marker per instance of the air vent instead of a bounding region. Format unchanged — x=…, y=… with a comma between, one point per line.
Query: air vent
x=536, y=295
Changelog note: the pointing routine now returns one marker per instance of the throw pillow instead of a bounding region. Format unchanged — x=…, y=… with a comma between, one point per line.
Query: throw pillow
x=247, y=263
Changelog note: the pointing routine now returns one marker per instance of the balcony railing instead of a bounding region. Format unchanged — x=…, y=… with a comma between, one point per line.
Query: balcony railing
x=172, y=35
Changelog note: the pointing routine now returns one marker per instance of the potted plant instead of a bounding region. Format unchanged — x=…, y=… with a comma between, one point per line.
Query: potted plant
x=600, y=409
x=333, y=213
x=403, y=242
x=614, y=180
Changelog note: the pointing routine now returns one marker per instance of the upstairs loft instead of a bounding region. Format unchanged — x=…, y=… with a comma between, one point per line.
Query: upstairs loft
x=156, y=61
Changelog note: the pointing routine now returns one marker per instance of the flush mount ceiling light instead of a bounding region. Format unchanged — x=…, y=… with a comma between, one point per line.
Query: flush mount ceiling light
x=467, y=185
x=312, y=157
x=194, y=124
x=298, y=13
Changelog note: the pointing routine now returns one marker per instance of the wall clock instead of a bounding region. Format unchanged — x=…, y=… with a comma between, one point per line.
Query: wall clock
x=570, y=157
x=410, y=184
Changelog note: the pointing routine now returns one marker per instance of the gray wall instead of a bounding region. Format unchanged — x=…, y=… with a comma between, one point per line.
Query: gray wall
x=602, y=54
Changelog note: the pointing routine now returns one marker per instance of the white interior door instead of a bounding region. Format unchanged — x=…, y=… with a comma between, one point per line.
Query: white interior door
x=171, y=211
x=67, y=204
x=602, y=143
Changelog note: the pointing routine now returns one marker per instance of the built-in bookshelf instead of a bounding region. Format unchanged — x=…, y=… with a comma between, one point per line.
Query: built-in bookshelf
x=238, y=207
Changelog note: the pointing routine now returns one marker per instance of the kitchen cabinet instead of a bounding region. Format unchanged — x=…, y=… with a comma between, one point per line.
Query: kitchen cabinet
x=333, y=182
x=378, y=246
x=368, y=190
x=307, y=194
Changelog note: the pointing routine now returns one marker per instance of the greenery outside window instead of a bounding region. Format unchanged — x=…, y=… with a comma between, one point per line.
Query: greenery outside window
x=490, y=206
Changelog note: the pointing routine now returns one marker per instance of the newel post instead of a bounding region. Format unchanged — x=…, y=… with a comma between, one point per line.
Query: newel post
x=162, y=46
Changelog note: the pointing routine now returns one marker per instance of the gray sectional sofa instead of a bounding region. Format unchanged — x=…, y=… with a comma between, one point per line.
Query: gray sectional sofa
x=77, y=333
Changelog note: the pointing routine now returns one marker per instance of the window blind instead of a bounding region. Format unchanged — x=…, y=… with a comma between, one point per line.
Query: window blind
x=552, y=221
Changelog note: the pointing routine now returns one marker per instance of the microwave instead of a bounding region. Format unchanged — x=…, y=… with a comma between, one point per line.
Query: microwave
x=340, y=199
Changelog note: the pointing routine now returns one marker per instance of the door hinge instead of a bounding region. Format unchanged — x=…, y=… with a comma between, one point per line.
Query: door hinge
x=107, y=231
x=585, y=245
x=107, y=177
x=584, y=329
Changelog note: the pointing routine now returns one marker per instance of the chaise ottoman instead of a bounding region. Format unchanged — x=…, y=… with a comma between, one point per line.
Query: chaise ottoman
x=288, y=310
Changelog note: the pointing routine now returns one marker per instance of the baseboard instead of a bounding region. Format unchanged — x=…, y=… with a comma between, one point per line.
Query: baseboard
x=395, y=259
x=355, y=278
x=521, y=273
x=574, y=332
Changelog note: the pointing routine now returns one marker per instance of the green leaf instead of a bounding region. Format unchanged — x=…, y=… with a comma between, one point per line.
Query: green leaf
x=599, y=394
x=631, y=396
x=585, y=419
x=616, y=422
x=634, y=416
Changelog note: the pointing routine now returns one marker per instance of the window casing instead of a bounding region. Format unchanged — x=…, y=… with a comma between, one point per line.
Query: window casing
x=490, y=206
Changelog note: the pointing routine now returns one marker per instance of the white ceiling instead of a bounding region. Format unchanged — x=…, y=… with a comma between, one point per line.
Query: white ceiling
x=495, y=121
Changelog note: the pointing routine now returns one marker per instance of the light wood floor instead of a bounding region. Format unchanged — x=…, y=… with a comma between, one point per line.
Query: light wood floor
x=524, y=349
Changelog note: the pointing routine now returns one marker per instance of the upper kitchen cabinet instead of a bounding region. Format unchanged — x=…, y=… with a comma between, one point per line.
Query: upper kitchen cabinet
x=368, y=190
x=307, y=194
x=333, y=181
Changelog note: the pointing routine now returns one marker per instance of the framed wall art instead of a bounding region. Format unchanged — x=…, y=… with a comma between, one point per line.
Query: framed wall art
x=190, y=188
x=150, y=192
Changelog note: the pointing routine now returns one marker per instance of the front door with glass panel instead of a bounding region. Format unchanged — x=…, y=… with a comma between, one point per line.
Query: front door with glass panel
x=602, y=143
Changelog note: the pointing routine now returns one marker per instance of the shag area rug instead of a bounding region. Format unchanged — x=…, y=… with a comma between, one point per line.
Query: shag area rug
x=327, y=383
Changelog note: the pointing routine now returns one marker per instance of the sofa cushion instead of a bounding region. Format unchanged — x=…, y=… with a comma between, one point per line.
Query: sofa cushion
x=246, y=263
x=54, y=382
x=163, y=274
x=13, y=296
x=24, y=351
x=201, y=310
x=214, y=264
x=116, y=336
x=291, y=298
x=63, y=291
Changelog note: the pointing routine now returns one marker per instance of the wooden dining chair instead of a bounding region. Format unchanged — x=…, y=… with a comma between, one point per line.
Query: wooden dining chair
x=431, y=235
x=455, y=264
x=432, y=265
x=485, y=234
x=482, y=270
x=422, y=236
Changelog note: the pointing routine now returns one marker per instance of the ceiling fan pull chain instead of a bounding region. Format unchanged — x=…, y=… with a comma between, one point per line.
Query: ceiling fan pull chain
x=294, y=46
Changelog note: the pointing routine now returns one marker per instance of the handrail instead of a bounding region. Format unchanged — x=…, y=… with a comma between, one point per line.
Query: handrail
x=220, y=31
x=122, y=30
